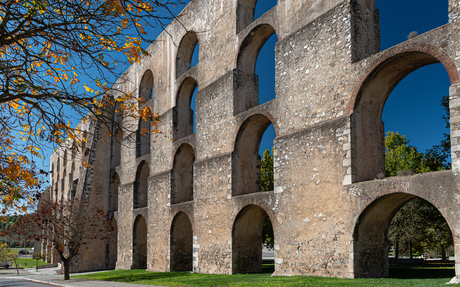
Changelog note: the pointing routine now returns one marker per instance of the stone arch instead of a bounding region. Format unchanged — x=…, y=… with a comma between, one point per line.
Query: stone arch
x=57, y=187
x=370, y=242
x=113, y=195
x=247, y=239
x=246, y=82
x=183, y=113
x=245, y=14
x=245, y=157
x=182, y=174
x=140, y=243
x=65, y=159
x=146, y=86
x=73, y=183
x=181, y=243
x=74, y=150
x=117, y=147
x=143, y=138
x=113, y=245
x=140, y=197
x=84, y=150
x=370, y=95
x=185, y=52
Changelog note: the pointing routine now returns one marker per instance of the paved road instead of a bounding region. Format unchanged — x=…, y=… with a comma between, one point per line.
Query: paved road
x=19, y=283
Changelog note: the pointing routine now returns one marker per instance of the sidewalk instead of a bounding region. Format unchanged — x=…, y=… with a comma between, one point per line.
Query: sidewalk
x=49, y=276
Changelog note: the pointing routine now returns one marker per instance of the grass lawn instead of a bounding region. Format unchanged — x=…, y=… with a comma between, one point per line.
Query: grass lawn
x=30, y=262
x=426, y=275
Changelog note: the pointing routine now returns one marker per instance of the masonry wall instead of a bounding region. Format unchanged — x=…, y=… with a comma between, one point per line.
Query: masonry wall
x=331, y=85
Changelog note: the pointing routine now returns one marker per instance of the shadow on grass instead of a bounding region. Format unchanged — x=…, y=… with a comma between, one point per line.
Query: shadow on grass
x=422, y=271
x=142, y=275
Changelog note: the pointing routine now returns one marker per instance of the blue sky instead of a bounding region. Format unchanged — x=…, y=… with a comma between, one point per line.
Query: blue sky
x=413, y=108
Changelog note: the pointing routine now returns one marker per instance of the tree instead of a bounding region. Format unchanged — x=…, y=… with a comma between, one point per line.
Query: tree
x=418, y=223
x=21, y=230
x=68, y=226
x=61, y=58
x=266, y=171
x=8, y=255
x=399, y=155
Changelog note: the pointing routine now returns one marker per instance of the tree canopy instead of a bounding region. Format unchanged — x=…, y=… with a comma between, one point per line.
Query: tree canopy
x=418, y=223
x=61, y=58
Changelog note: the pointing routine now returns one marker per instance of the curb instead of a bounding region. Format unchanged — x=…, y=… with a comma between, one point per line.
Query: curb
x=37, y=281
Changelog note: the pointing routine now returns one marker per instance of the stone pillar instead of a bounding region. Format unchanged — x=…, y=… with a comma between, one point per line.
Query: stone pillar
x=350, y=154
x=457, y=260
x=454, y=11
x=454, y=105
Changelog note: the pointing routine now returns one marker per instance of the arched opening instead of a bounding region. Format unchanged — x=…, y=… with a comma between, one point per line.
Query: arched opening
x=398, y=19
x=113, y=195
x=84, y=140
x=146, y=87
x=140, y=243
x=417, y=107
x=246, y=81
x=182, y=175
x=117, y=148
x=248, y=240
x=65, y=159
x=184, y=115
x=181, y=243
x=249, y=10
x=265, y=70
x=143, y=138
x=52, y=177
x=63, y=184
x=368, y=136
x=246, y=174
x=73, y=183
x=113, y=245
x=74, y=149
x=185, y=52
x=57, y=187
x=141, y=186
x=370, y=238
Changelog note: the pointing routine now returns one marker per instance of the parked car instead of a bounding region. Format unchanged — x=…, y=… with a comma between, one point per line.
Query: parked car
x=6, y=264
x=23, y=251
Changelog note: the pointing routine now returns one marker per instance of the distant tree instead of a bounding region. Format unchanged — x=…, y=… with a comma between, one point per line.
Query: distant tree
x=421, y=226
x=418, y=223
x=266, y=171
x=408, y=225
x=67, y=225
x=6, y=254
x=21, y=229
x=400, y=156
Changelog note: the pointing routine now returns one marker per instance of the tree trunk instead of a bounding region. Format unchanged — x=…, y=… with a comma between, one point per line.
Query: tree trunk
x=66, y=269
x=396, y=249
x=410, y=249
x=443, y=252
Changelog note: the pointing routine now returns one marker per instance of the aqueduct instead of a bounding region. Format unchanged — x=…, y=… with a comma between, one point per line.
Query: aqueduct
x=194, y=203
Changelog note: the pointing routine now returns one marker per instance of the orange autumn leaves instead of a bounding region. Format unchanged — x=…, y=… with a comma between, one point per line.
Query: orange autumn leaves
x=59, y=56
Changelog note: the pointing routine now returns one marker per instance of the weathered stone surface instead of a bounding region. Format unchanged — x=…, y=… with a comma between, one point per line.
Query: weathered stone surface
x=203, y=211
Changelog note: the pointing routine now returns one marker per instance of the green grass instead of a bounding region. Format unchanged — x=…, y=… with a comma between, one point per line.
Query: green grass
x=427, y=275
x=30, y=262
